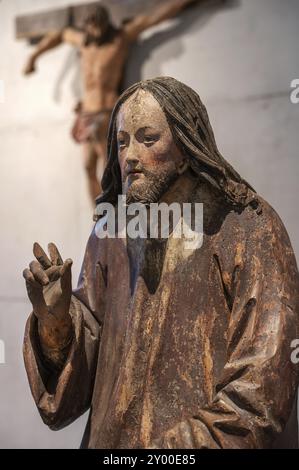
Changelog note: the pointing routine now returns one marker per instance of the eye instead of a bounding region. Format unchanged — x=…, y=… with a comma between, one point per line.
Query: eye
x=121, y=143
x=150, y=139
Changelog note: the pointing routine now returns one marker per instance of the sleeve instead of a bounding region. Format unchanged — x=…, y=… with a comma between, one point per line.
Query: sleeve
x=256, y=391
x=62, y=396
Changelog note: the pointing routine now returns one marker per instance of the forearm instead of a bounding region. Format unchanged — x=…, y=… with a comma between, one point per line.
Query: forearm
x=55, y=341
x=240, y=417
x=170, y=9
x=50, y=41
x=142, y=22
x=62, y=395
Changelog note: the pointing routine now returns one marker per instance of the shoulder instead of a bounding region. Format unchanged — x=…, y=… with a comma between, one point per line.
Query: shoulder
x=264, y=222
x=73, y=36
x=256, y=232
x=256, y=219
x=131, y=29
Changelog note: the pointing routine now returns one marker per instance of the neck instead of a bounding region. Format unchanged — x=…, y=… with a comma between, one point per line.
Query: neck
x=182, y=189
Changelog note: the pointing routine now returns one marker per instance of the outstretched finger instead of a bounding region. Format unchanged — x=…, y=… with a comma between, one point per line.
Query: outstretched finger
x=55, y=255
x=28, y=276
x=35, y=293
x=41, y=256
x=66, y=275
x=31, y=282
x=38, y=273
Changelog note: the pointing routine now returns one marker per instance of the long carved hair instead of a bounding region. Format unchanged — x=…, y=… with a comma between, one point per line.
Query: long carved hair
x=193, y=134
x=100, y=17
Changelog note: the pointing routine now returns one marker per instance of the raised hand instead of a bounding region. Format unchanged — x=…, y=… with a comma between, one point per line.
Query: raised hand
x=49, y=287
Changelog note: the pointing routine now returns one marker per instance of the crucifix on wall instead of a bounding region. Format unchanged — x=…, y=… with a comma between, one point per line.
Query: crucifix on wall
x=104, y=38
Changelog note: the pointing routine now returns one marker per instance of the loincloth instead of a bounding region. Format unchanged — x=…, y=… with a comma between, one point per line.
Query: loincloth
x=87, y=125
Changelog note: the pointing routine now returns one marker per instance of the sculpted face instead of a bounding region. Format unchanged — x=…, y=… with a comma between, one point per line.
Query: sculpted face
x=148, y=156
x=96, y=25
x=94, y=30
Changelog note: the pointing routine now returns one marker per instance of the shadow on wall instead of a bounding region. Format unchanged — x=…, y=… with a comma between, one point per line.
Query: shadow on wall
x=72, y=62
x=193, y=18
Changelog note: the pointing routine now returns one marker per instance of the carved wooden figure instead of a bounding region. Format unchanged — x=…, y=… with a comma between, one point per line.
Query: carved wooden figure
x=104, y=50
x=168, y=347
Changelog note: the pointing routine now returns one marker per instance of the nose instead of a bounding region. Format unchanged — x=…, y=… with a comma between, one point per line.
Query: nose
x=132, y=154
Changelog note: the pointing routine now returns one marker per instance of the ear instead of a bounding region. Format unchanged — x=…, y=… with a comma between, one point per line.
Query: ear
x=182, y=167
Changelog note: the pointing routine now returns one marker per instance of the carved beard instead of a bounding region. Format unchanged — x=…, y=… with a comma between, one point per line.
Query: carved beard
x=91, y=39
x=151, y=189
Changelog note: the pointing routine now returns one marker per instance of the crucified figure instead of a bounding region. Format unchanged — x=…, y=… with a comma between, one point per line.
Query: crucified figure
x=103, y=53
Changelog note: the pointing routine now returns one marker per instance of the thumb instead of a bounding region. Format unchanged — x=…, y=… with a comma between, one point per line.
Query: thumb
x=66, y=275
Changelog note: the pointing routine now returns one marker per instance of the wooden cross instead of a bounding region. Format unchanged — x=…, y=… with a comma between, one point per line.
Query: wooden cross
x=34, y=26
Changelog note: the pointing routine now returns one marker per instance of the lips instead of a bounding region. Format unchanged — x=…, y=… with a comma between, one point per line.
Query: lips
x=134, y=172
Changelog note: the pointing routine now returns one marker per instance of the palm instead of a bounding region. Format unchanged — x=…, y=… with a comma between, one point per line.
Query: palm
x=54, y=297
x=48, y=283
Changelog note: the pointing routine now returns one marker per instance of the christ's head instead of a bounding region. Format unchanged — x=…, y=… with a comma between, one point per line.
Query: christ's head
x=158, y=129
x=97, y=23
x=148, y=156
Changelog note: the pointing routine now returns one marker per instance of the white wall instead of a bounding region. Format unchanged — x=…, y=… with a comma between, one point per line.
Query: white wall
x=240, y=57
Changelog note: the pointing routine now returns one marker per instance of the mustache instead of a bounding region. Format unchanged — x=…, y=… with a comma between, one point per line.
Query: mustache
x=135, y=168
x=151, y=188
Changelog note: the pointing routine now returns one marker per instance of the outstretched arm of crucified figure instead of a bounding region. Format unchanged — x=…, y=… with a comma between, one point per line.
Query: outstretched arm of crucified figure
x=161, y=13
x=50, y=41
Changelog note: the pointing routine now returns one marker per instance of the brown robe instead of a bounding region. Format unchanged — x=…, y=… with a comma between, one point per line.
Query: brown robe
x=177, y=348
